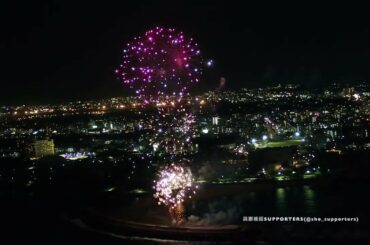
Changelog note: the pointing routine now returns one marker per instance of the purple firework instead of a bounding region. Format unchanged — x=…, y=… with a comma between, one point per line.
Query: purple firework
x=163, y=61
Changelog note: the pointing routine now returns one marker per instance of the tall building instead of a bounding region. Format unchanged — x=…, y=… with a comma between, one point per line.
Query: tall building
x=43, y=148
x=215, y=120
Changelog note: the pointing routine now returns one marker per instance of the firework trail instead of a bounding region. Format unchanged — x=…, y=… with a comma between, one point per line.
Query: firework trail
x=160, y=66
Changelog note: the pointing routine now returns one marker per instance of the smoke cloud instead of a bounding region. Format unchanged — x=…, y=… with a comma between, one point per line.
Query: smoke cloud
x=223, y=212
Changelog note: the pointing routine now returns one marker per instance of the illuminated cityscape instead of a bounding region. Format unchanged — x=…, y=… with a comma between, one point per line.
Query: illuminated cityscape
x=334, y=121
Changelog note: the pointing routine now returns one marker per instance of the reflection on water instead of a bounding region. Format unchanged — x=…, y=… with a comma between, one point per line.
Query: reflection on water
x=288, y=201
x=295, y=201
x=309, y=198
x=280, y=201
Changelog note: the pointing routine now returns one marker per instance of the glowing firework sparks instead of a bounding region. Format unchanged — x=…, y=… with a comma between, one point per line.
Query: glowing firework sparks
x=174, y=135
x=163, y=61
x=160, y=66
x=174, y=183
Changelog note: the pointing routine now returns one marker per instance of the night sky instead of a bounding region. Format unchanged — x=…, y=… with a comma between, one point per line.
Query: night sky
x=55, y=51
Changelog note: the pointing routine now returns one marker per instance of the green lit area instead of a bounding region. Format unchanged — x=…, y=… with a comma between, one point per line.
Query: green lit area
x=282, y=143
x=138, y=191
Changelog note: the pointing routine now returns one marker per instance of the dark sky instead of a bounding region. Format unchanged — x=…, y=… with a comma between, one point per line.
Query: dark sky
x=53, y=51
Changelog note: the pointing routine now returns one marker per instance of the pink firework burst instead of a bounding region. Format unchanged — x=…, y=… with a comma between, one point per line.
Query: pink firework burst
x=175, y=183
x=162, y=62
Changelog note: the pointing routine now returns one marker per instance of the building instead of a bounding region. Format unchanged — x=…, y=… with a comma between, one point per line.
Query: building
x=43, y=148
x=215, y=120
